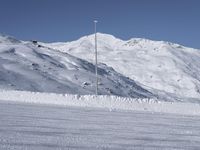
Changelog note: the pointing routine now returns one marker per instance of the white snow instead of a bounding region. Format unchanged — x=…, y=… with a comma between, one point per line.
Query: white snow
x=33, y=67
x=143, y=68
x=103, y=101
x=159, y=66
x=43, y=127
x=124, y=116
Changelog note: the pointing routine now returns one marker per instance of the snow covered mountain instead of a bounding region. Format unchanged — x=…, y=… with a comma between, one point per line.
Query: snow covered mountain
x=167, y=69
x=33, y=67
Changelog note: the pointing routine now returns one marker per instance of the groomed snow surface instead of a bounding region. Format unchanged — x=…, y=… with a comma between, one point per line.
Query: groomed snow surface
x=43, y=127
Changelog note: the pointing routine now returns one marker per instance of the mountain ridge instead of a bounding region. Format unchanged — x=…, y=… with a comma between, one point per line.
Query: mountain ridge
x=109, y=36
x=158, y=65
x=27, y=65
x=168, y=70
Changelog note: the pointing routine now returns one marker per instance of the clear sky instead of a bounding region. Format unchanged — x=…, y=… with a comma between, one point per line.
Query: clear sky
x=65, y=20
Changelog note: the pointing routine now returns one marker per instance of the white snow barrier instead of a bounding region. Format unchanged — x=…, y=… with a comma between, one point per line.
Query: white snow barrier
x=108, y=102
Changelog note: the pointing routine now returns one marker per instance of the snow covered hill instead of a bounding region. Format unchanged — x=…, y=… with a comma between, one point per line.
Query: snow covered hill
x=33, y=67
x=167, y=69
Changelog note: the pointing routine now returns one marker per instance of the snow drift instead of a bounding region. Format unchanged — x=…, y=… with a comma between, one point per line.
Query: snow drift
x=106, y=102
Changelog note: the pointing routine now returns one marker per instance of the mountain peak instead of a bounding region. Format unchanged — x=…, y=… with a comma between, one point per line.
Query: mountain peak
x=110, y=40
x=101, y=36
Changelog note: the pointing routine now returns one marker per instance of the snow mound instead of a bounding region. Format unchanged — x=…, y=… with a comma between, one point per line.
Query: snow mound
x=103, y=101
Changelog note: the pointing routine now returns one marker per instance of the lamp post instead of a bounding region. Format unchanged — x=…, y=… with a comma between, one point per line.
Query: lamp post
x=96, y=68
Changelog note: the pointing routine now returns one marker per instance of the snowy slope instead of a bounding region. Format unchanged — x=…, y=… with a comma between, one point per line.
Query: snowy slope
x=33, y=67
x=168, y=69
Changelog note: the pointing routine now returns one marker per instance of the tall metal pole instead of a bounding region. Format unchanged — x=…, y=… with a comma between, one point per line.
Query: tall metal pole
x=96, y=67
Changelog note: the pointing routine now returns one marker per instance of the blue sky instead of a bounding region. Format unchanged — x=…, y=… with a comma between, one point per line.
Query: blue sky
x=65, y=20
